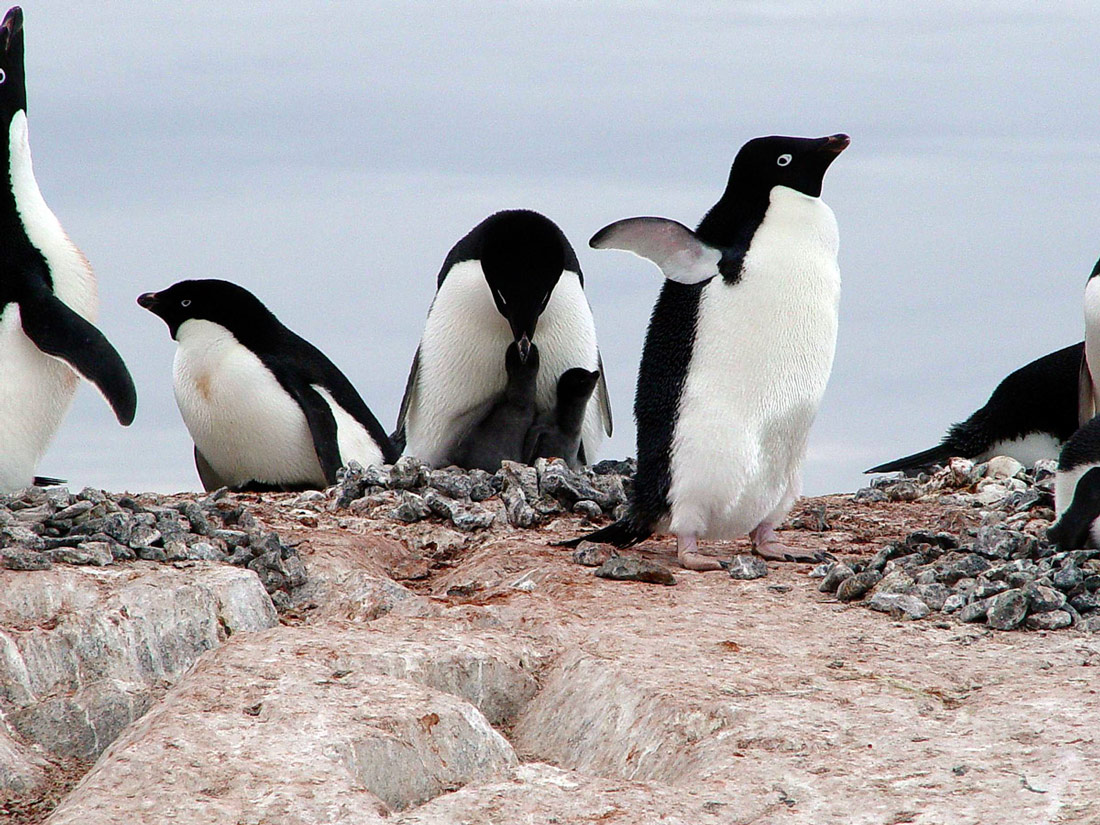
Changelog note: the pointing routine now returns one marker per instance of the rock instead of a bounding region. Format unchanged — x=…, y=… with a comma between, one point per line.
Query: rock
x=745, y=566
x=452, y=482
x=1003, y=466
x=1043, y=599
x=856, y=586
x=591, y=554
x=1050, y=620
x=836, y=574
x=588, y=509
x=408, y=473
x=1007, y=610
x=106, y=640
x=953, y=567
x=1068, y=577
x=896, y=581
x=974, y=612
x=955, y=601
x=466, y=518
x=899, y=605
x=563, y=484
x=633, y=569
x=903, y=491
x=410, y=508
x=996, y=542
x=1090, y=624
x=14, y=560
x=933, y=594
x=270, y=731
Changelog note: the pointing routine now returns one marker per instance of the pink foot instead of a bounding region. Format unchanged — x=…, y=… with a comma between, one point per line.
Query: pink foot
x=766, y=544
x=689, y=557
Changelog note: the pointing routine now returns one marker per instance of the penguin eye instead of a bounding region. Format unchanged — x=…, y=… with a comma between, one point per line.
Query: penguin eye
x=783, y=160
x=186, y=302
x=3, y=75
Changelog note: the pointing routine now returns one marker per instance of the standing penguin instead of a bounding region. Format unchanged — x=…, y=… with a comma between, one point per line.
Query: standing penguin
x=513, y=278
x=48, y=299
x=266, y=409
x=1077, y=491
x=738, y=352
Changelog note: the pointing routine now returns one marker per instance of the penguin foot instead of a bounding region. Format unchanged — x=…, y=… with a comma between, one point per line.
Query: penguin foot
x=689, y=557
x=766, y=544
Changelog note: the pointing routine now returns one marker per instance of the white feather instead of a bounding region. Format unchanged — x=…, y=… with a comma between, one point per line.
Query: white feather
x=762, y=356
x=1092, y=336
x=462, y=359
x=36, y=389
x=352, y=438
x=1027, y=449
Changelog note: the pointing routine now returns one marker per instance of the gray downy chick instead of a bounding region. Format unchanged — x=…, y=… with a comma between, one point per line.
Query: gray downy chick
x=557, y=434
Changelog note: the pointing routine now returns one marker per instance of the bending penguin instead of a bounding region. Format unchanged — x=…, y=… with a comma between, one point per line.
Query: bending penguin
x=739, y=349
x=48, y=300
x=1029, y=416
x=1077, y=491
x=513, y=278
x=266, y=409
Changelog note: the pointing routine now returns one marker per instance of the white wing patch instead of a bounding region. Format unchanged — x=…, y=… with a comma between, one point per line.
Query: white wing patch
x=352, y=437
x=681, y=256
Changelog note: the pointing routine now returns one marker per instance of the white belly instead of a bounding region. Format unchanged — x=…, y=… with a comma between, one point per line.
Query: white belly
x=762, y=356
x=1092, y=335
x=1027, y=450
x=243, y=422
x=462, y=360
x=35, y=393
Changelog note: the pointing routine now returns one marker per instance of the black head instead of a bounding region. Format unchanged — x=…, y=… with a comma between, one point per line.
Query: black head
x=13, y=84
x=797, y=163
x=522, y=255
x=577, y=384
x=232, y=306
x=1095, y=271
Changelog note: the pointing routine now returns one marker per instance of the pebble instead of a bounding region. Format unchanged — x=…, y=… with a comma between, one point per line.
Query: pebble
x=1051, y=620
x=590, y=554
x=631, y=568
x=899, y=605
x=745, y=566
x=835, y=574
x=1007, y=610
x=855, y=587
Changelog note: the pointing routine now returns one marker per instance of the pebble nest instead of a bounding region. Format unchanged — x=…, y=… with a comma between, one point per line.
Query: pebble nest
x=1002, y=573
x=43, y=527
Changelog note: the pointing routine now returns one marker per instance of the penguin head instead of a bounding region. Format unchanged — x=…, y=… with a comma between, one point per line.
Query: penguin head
x=797, y=163
x=13, y=86
x=576, y=385
x=522, y=257
x=219, y=302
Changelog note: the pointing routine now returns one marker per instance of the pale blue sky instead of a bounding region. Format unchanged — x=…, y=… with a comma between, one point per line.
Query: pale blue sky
x=327, y=155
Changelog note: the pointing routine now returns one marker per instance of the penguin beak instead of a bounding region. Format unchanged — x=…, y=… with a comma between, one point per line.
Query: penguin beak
x=148, y=300
x=835, y=144
x=524, y=347
x=12, y=25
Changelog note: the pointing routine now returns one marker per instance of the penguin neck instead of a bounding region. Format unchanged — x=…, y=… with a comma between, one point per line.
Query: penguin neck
x=731, y=223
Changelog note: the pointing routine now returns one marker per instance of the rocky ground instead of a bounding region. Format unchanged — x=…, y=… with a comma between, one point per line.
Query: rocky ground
x=410, y=647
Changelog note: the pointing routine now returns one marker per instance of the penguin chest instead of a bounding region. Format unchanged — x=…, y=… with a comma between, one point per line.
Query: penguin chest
x=35, y=393
x=462, y=350
x=762, y=355
x=241, y=419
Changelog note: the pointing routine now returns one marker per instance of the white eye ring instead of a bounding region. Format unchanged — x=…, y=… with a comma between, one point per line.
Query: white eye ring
x=783, y=160
x=3, y=75
x=186, y=302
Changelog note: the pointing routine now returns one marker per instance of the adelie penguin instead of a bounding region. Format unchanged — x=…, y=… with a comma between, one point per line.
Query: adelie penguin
x=738, y=352
x=266, y=409
x=1077, y=491
x=513, y=278
x=48, y=299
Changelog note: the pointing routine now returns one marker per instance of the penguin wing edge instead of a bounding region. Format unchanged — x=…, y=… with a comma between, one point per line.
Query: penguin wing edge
x=677, y=250
x=1086, y=393
x=60, y=332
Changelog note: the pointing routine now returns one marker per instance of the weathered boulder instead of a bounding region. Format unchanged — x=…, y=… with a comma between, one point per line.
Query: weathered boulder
x=85, y=650
x=298, y=725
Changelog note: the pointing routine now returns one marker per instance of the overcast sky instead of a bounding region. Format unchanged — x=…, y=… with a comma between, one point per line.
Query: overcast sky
x=327, y=155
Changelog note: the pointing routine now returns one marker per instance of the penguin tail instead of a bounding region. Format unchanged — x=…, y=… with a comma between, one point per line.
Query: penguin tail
x=917, y=461
x=47, y=481
x=625, y=532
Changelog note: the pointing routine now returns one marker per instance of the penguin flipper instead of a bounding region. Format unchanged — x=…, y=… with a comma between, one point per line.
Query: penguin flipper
x=48, y=481
x=322, y=426
x=408, y=401
x=677, y=250
x=209, y=477
x=60, y=332
x=934, y=455
x=604, y=398
x=1086, y=393
x=626, y=532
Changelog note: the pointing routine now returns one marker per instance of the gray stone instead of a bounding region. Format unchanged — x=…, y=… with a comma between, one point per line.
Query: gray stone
x=563, y=484
x=956, y=601
x=974, y=612
x=481, y=485
x=1085, y=602
x=14, y=560
x=1090, y=624
x=896, y=581
x=856, y=586
x=745, y=566
x=1007, y=610
x=903, y=491
x=1044, y=599
x=410, y=508
x=1068, y=577
x=899, y=605
x=985, y=589
x=633, y=569
x=452, y=482
x=1050, y=620
x=997, y=542
x=836, y=574
x=590, y=554
x=408, y=473
x=934, y=594
x=588, y=509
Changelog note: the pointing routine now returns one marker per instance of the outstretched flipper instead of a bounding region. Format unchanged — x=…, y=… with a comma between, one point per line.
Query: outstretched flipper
x=60, y=332
x=677, y=250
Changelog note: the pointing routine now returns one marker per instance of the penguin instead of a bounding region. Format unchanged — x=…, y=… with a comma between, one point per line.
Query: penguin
x=513, y=278
x=502, y=431
x=48, y=300
x=557, y=434
x=1077, y=491
x=1088, y=392
x=266, y=409
x=738, y=351
x=1029, y=416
